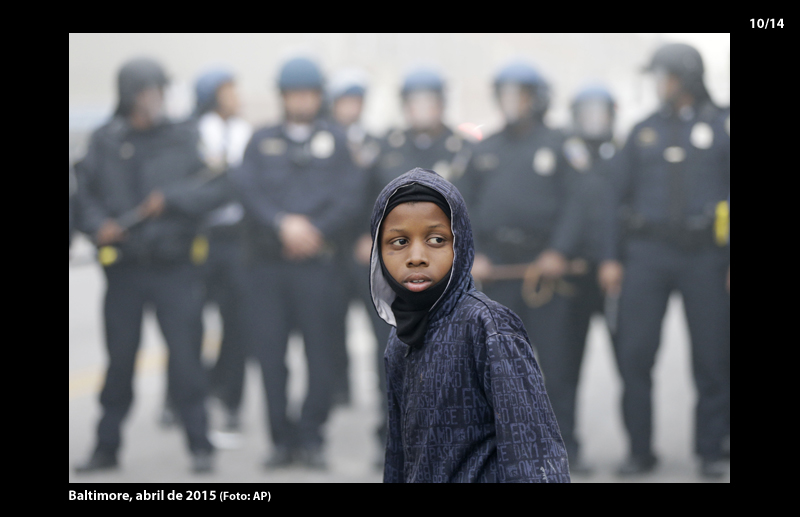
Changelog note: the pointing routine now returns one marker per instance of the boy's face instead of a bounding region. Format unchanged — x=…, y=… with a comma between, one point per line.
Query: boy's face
x=417, y=245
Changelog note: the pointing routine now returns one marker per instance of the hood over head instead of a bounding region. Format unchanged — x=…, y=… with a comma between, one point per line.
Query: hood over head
x=460, y=279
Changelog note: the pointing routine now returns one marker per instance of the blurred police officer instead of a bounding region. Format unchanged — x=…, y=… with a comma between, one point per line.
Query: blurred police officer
x=72, y=191
x=346, y=92
x=674, y=176
x=140, y=201
x=726, y=441
x=518, y=188
x=589, y=149
x=300, y=190
x=223, y=138
x=426, y=141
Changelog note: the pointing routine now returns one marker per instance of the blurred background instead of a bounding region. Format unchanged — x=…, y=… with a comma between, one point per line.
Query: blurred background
x=468, y=63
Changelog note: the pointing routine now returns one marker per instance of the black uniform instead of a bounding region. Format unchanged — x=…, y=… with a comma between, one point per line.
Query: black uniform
x=315, y=178
x=72, y=190
x=401, y=151
x=364, y=149
x=726, y=444
x=519, y=192
x=152, y=266
x=593, y=160
x=224, y=278
x=672, y=174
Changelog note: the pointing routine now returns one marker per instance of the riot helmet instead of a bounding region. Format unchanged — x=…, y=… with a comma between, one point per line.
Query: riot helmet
x=301, y=84
x=682, y=61
x=300, y=73
x=593, y=110
x=134, y=77
x=206, y=88
x=521, y=90
x=346, y=95
x=423, y=98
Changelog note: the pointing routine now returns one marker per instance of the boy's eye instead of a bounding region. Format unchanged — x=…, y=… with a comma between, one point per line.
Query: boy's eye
x=436, y=240
x=399, y=242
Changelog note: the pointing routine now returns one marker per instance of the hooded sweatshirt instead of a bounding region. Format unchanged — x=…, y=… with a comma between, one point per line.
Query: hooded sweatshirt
x=469, y=403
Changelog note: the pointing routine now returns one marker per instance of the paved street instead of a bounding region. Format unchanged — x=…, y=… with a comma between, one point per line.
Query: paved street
x=153, y=454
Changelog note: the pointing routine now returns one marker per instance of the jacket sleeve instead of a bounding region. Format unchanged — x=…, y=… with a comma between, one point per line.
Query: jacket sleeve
x=198, y=195
x=569, y=226
x=529, y=444
x=72, y=189
x=345, y=206
x=395, y=458
x=90, y=211
x=469, y=185
x=619, y=187
x=199, y=190
x=247, y=188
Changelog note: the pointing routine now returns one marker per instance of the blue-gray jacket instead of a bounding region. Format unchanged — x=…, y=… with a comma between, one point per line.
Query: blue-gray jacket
x=469, y=405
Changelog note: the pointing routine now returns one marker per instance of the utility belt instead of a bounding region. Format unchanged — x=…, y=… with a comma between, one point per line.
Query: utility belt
x=693, y=234
x=513, y=245
x=177, y=251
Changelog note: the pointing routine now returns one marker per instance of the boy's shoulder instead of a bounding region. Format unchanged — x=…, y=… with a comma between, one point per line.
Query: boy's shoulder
x=494, y=317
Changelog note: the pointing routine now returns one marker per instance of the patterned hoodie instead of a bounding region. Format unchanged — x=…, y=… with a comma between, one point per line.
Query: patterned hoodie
x=469, y=404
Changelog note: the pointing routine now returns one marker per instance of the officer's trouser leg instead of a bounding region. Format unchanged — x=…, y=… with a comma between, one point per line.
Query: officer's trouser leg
x=225, y=286
x=123, y=308
x=380, y=330
x=728, y=374
x=643, y=303
x=267, y=316
x=702, y=283
x=317, y=297
x=178, y=299
x=562, y=384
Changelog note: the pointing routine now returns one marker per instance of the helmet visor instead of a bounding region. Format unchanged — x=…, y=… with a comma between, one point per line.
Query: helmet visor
x=423, y=109
x=593, y=118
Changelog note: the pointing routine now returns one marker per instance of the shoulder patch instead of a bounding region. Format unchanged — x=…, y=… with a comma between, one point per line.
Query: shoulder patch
x=577, y=154
x=647, y=136
x=607, y=150
x=544, y=161
x=702, y=136
x=674, y=154
x=322, y=145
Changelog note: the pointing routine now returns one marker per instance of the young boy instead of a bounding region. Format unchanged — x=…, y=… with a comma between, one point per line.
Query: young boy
x=467, y=401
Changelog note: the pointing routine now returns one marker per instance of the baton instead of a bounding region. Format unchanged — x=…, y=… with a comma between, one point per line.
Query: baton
x=108, y=254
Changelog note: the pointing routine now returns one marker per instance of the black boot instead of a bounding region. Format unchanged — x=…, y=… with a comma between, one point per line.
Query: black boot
x=202, y=461
x=636, y=465
x=282, y=456
x=99, y=461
